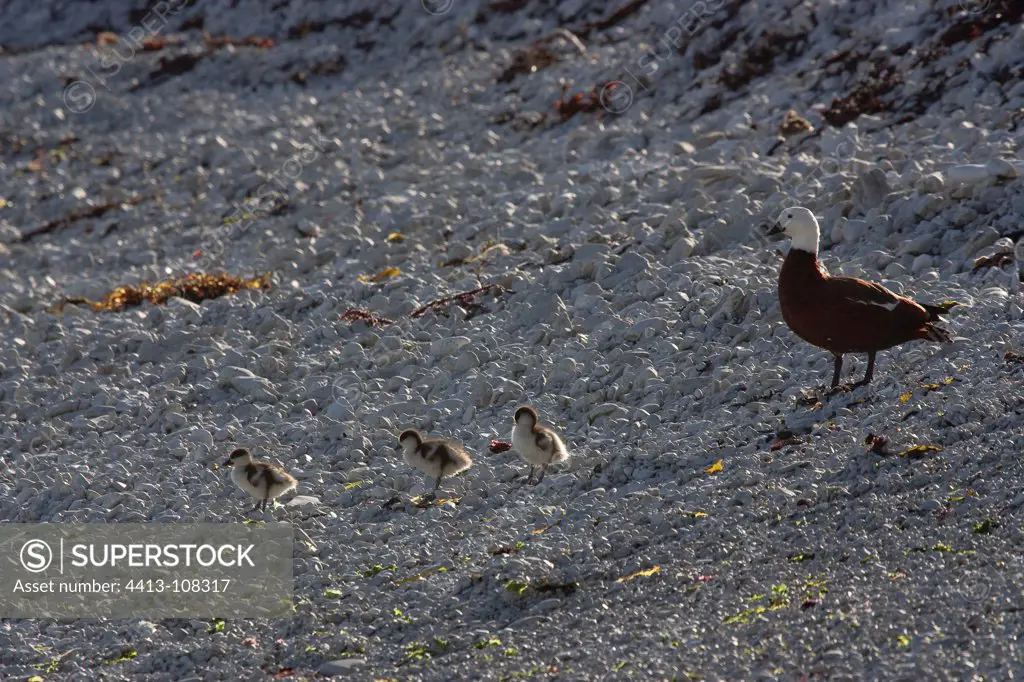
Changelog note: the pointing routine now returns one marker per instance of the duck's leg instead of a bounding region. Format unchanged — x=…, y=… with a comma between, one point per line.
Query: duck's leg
x=871, y=371
x=529, y=479
x=838, y=369
x=256, y=507
x=543, y=470
x=836, y=387
x=437, y=484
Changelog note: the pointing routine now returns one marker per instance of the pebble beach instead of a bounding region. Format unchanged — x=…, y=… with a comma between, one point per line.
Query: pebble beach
x=439, y=211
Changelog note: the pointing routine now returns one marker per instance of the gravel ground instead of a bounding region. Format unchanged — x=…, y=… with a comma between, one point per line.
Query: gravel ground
x=633, y=302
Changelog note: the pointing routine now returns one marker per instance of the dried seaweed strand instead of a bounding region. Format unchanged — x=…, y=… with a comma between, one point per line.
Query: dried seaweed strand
x=194, y=287
x=465, y=298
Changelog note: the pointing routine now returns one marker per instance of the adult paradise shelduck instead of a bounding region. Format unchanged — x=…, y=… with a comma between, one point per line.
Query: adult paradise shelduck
x=845, y=314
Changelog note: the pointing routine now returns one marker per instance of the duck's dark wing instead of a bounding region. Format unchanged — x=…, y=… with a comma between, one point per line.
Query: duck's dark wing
x=258, y=476
x=868, y=316
x=847, y=314
x=852, y=290
x=437, y=451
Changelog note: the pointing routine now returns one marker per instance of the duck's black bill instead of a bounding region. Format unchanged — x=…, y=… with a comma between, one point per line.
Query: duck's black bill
x=774, y=229
x=227, y=463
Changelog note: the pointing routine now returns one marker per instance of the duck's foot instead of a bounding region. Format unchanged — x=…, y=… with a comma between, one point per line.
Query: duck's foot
x=836, y=390
x=810, y=396
x=425, y=500
x=845, y=388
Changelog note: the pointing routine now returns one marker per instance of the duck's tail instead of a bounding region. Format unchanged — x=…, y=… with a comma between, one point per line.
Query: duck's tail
x=931, y=332
x=936, y=310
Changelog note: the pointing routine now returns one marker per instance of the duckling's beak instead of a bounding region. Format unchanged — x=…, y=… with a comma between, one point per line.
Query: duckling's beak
x=398, y=448
x=228, y=463
x=775, y=228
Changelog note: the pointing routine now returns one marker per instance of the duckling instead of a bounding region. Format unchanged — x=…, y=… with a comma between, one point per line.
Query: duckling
x=436, y=457
x=538, y=444
x=262, y=480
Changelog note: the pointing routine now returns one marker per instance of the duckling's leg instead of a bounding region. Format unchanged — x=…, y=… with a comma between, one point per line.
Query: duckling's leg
x=543, y=470
x=426, y=498
x=256, y=507
x=529, y=479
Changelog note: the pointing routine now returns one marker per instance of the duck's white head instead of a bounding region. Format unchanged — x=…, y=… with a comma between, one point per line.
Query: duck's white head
x=800, y=225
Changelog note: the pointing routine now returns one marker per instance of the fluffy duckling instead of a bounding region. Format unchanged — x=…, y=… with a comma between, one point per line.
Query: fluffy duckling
x=436, y=457
x=538, y=444
x=262, y=480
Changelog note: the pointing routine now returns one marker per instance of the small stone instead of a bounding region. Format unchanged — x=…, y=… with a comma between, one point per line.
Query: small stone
x=606, y=409
x=921, y=244
x=1001, y=169
x=307, y=228
x=967, y=174
x=448, y=346
x=895, y=270
x=201, y=437
x=921, y=263
x=683, y=247
x=303, y=501
x=870, y=189
x=458, y=252
x=981, y=239
x=341, y=666
x=854, y=231
x=254, y=386
x=931, y=183
x=151, y=352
